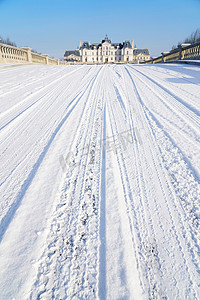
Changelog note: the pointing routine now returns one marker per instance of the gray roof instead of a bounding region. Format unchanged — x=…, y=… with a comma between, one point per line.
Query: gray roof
x=106, y=40
x=125, y=44
x=85, y=45
x=75, y=52
x=141, y=51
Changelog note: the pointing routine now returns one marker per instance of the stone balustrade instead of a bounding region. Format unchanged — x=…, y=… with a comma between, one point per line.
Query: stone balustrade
x=183, y=52
x=157, y=60
x=10, y=54
x=191, y=52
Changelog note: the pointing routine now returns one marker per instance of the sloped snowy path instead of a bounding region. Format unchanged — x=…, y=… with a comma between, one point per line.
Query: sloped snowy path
x=100, y=182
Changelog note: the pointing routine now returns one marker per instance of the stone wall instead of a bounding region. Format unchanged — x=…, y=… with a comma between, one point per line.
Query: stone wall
x=10, y=54
x=183, y=52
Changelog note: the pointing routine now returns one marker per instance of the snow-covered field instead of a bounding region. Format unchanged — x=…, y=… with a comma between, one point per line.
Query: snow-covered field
x=100, y=182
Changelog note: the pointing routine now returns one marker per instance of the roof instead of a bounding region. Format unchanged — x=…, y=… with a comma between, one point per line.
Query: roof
x=106, y=40
x=124, y=45
x=127, y=44
x=141, y=51
x=75, y=52
x=87, y=45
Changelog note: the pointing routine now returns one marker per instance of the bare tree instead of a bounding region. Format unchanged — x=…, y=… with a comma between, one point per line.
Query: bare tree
x=7, y=41
x=174, y=47
x=193, y=38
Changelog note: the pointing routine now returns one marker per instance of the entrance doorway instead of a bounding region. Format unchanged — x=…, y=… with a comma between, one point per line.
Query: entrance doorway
x=106, y=60
x=127, y=59
x=85, y=59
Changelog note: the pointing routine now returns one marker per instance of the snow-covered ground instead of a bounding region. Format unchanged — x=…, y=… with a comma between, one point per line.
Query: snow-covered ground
x=100, y=182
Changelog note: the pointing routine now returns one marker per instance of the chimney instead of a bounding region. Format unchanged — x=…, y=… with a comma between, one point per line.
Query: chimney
x=132, y=44
x=80, y=44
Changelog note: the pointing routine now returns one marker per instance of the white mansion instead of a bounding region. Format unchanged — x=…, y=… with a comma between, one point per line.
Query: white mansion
x=107, y=52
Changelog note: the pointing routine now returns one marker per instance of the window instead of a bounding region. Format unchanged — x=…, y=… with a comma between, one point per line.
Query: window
x=85, y=53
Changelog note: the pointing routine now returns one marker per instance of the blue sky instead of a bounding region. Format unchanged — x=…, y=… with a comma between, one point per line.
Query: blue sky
x=51, y=26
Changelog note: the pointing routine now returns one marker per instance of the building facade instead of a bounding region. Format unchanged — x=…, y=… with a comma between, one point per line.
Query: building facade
x=108, y=52
x=72, y=56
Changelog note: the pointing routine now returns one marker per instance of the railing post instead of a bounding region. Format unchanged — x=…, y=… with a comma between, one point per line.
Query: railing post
x=163, y=56
x=180, y=52
x=28, y=53
x=153, y=60
x=46, y=59
x=1, y=59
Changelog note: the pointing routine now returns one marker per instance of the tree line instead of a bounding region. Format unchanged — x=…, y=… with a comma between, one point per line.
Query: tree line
x=194, y=37
x=7, y=41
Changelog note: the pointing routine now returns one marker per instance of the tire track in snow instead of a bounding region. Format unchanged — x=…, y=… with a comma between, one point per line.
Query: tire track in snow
x=190, y=187
x=148, y=260
x=14, y=206
x=180, y=241
x=186, y=139
x=162, y=71
x=164, y=85
x=181, y=107
x=54, y=87
x=52, y=95
x=29, y=152
x=102, y=225
x=155, y=292
x=83, y=269
x=149, y=178
x=14, y=90
x=140, y=239
x=190, y=245
x=176, y=126
x=75, y=211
